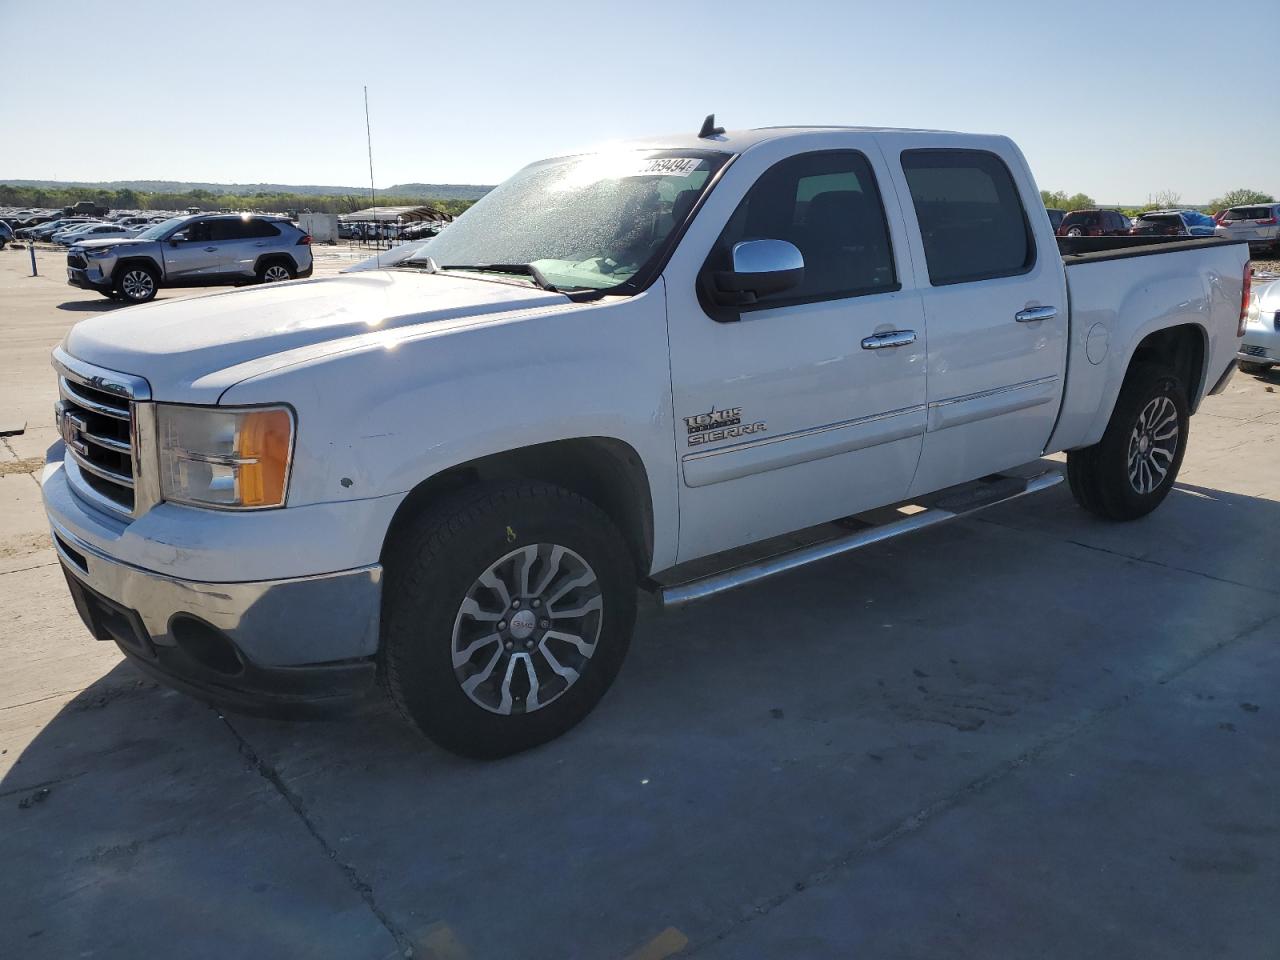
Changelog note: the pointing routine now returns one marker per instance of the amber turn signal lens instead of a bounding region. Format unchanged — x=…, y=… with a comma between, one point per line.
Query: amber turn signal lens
x=263, y=445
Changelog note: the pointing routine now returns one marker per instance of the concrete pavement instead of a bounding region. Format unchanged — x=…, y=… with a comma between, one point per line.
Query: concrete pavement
x=1028, y=734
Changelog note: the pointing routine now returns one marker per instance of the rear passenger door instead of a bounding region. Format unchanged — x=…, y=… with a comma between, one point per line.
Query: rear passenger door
x=995, y=306
x=793, y=412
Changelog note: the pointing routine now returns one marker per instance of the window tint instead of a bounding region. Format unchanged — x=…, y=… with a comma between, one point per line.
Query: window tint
x=226, y=229
x=1247, y=213
x=829, y=206
x=198, y=232
x=970, y=215
x=257, y=229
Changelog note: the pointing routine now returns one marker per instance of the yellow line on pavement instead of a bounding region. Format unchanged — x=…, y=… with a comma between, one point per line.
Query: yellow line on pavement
x=666, y=944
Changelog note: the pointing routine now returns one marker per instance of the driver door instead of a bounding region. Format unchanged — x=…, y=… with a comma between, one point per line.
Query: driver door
x=810, y=404
x=190, y=251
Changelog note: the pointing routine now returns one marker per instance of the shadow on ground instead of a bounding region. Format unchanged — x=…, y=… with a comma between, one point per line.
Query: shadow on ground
x=780, y=749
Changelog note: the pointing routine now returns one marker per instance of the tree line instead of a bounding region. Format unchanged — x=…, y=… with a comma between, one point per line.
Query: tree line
x=1164, y=200
x=128, y=199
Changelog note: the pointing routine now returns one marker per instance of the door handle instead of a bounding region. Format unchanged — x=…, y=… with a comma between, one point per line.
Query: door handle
x=890, y=338
x=1032, y=314
x=210, y=249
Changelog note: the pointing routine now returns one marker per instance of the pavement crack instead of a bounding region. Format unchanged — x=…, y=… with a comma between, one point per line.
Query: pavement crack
x=352, y=876
x=915, y=822
x=1126, y=556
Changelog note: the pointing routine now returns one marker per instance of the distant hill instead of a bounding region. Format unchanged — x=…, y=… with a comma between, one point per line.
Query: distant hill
x=435, y=191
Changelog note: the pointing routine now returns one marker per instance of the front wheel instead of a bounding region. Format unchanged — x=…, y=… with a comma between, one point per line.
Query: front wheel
x=1248, y=367
x=507, y=613
x=137, y=284
x=1127, y=473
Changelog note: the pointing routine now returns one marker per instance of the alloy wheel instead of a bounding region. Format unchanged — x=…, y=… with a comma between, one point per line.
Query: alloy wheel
x=1153, y=444
x=275, y=272
x=137, y=284
x=527, y=628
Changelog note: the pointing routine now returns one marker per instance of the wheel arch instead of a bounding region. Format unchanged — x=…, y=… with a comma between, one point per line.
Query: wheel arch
x=1182, y=348
x=607, y=471
x=266, y=259
x=135, y=261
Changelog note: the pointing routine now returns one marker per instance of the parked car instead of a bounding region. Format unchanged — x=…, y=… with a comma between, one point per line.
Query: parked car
x=93, y=231
x=1055, y=217
x=46, y=230
x=1173, y=223
x=58, y=235
x=1259, y=224
x=1260, y=350
x=1094, y=223
x=452, y=470
x=199, y=251
x=6, y=234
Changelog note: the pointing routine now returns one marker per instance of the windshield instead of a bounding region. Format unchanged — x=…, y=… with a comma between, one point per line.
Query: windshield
x=586, y=222
x=160, y=229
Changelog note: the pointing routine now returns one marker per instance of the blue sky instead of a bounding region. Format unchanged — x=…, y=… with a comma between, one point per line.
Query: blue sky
x=1116, y=99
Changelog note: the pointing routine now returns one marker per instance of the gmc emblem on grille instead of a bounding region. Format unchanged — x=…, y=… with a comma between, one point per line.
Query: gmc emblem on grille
x=71, y=429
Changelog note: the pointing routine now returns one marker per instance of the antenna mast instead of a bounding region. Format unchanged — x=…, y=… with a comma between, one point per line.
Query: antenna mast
x=368, y=136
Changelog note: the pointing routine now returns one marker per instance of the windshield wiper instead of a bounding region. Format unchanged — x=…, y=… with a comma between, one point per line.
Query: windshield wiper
x=522, y=269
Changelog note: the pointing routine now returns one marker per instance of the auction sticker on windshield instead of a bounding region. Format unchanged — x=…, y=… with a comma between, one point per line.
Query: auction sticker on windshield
x=668, y=166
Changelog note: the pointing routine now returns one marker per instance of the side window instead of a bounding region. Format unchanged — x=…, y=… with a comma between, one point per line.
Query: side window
x=197, y=232
x=260, y=229
x=829, y=206
x=971, y=217
x=229, y=229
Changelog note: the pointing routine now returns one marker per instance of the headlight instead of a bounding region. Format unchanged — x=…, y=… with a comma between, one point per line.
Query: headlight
x=99, y=252
x=231, y=458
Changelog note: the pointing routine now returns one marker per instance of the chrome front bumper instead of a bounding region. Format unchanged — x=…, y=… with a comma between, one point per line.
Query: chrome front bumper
x=199, y=637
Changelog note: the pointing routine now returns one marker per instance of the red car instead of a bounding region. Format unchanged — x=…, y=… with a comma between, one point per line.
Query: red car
x=1094, y=223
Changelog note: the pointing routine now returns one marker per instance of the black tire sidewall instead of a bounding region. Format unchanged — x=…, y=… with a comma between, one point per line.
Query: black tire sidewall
x=430, y=573
x=1147, y=383
x=264, y=267
x=119, y=284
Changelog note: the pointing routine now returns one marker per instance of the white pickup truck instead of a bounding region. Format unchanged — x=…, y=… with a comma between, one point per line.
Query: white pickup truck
x=450, y=470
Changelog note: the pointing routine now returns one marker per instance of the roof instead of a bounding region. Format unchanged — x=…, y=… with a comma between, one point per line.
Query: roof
x=398, y=214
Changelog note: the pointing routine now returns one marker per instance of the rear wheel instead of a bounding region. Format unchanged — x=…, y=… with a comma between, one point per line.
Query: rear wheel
x=1249, y=367
x=1127, y=473
x=274, y=272
x=507, y=614
x=137, y=284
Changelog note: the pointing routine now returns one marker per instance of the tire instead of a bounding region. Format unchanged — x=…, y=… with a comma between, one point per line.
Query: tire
x=1075, y=232
x=137, y=283
x=1119, y=478
x=1249, y=367
x=471, y=695
x=274, y=271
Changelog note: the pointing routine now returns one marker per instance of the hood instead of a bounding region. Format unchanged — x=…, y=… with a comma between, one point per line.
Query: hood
x=109, y=241
x=174, y=344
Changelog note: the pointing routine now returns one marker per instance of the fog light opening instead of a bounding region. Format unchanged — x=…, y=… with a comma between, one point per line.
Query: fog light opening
x=206, y=645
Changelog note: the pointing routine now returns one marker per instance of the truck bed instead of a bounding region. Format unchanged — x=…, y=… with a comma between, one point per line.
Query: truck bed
x=1119, y=292
x=1092, y=249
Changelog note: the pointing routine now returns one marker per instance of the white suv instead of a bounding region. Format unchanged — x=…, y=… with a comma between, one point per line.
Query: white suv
x=1259, y=223
x=205, y=250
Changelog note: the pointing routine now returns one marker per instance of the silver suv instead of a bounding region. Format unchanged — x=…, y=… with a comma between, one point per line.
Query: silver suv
x=205, y=250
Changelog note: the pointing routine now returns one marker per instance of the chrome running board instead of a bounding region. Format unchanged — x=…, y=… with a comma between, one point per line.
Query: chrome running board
x=1010, y=488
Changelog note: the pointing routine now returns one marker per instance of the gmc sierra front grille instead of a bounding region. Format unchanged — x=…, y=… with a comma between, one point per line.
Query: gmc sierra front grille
x=77, y=261
x=97, y=427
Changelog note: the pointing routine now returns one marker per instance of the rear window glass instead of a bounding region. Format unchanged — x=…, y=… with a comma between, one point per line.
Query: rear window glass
x=1161, y=218
x=1247, y=213
x=970, y=215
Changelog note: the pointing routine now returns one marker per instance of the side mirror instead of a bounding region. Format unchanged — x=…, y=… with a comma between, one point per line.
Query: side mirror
x=760, y=268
